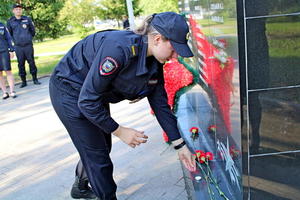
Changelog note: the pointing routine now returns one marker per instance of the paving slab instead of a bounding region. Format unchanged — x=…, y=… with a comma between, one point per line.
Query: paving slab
x=37, y=157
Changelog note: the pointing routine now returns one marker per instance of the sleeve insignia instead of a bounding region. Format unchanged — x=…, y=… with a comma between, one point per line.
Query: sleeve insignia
x=108, y=66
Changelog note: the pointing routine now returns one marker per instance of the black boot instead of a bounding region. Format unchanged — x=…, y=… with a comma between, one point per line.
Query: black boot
x=35, y=80
x=81, y=189
x=24, y=83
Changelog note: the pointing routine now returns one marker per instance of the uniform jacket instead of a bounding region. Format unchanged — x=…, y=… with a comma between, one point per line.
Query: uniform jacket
x=5, y=39
x=22, y=30
x=111, y=66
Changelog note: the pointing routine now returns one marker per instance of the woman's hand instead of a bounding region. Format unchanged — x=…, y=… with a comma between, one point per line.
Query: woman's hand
x=12, y=55
x=187, y=158
x=130, y=136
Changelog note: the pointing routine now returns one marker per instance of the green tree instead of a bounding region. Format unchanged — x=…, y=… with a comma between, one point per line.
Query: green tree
x=80, y=14
x=116, y=9
x=5, y=9
x=150, y=7
x=44, y=14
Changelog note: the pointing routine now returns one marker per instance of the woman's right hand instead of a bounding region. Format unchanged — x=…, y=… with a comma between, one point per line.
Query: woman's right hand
x=11, y=55
x=130, y=136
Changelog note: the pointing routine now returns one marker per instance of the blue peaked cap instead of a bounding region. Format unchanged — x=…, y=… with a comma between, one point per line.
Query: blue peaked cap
x=174, y=27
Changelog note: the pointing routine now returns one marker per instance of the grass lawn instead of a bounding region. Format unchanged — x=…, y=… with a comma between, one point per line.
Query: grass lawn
x=44, y=64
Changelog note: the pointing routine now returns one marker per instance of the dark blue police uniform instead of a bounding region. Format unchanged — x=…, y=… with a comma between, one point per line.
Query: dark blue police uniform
x=6, y=45
x=23, y=31
x=106, y=67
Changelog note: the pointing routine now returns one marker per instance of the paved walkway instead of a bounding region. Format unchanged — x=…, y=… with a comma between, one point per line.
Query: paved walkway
x=37, y=158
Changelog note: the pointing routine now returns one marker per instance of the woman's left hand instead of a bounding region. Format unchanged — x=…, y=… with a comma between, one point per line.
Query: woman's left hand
x=187, y=158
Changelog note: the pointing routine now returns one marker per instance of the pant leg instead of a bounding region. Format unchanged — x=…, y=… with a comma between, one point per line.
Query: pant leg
x=21, y=60
x=88, y=139
x=29, y=54
x=80, y=170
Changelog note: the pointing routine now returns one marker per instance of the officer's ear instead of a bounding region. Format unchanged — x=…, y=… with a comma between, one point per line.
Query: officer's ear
x=156, y=39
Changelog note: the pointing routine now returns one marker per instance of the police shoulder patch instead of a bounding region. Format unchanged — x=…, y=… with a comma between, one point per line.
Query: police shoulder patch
x=108, y=66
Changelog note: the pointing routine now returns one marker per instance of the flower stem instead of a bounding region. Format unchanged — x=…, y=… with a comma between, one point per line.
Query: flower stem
x=210, y=192
x=222, y=194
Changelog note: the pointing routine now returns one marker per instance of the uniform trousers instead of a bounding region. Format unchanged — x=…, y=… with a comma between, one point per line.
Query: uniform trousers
x=92, y=143
x=25, y=53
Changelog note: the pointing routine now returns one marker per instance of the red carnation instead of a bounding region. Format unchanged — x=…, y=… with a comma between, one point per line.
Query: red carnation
x=212, y=129
x=201, y=156
x=194, y=130
x=209, y=156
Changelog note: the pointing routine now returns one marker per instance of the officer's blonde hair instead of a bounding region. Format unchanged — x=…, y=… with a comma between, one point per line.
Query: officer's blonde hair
x=146, y=28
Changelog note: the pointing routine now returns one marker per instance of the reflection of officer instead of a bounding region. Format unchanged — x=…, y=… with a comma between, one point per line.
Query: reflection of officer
x=92, y=75
x=6, y=52
x=22, y=30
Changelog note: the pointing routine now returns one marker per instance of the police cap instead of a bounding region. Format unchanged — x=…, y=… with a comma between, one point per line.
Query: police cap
x=174, y=27
x=17, y=5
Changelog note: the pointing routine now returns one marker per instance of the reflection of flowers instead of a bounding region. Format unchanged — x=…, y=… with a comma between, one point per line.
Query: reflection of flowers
x=195, y=132
x=222, y=57
x=220, y=44
x=212, y=128
x=203, y=163
x=234, y=153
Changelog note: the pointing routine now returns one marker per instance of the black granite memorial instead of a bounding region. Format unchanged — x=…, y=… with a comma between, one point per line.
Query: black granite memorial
x=244, y=102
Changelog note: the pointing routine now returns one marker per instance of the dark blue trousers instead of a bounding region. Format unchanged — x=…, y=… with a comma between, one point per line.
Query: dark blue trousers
x=92, y=143
x=23, y=54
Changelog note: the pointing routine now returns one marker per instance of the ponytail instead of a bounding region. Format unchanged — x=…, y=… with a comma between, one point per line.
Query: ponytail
x=147, y=29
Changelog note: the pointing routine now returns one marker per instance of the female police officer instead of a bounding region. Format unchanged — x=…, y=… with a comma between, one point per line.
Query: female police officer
x=108, y=67
x=6, y=52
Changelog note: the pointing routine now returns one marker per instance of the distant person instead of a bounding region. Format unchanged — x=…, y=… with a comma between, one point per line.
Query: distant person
x=6, y=53
x=126, y=24
x=22, y=30
x=109, y=67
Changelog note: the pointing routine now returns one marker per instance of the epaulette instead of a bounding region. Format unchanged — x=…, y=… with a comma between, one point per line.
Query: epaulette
x=134, y=50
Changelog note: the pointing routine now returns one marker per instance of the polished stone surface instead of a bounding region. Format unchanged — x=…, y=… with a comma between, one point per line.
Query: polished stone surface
x=273, y=53
x=256, y=8
x=195, y=110
x=274, y=120
x=275, y=177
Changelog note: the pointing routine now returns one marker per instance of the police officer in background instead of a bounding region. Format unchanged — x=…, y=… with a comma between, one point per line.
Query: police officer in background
x=22, y=30
x=6, y=52
x=108, y=67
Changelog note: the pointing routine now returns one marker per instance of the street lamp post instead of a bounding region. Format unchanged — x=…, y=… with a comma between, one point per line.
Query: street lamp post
x=130, y=14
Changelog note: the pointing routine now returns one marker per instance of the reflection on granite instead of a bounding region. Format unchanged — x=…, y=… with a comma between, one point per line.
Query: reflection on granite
x=195, y=110
x=271, y=7
x=274, y=56
x=280, y=121
x=257, y=54
x=275, y=177
x=212, y=104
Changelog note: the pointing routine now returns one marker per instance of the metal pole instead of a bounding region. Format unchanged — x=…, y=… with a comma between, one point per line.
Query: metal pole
x=130, y=14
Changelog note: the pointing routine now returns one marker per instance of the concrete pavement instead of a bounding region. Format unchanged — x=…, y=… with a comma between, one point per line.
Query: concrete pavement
x=37, y=158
